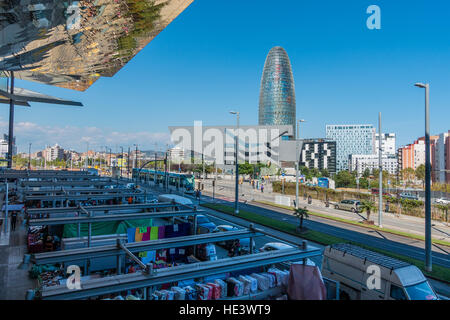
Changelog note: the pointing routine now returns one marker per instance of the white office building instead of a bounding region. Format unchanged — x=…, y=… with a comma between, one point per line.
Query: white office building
x=4, y=146
x=442, y=157
x=54, y=153
x=351, y=139
x=361, y=162
x=388, y=145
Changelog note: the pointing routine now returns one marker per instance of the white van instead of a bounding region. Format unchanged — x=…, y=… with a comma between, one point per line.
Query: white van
x=356, y=269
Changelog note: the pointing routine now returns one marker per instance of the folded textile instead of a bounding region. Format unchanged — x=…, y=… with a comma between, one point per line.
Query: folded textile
x=180, y=293
x=278, y=275
x=235, y=287
x=253, y=283
x=191, y=293
x=216, y=291
x=246, y=284
x=271, y=277
x=263, y=282
x=223, y=287
x=202, y=291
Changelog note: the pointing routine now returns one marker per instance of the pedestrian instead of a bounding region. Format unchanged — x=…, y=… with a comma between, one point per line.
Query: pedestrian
x=13, y=220
x=262, y=188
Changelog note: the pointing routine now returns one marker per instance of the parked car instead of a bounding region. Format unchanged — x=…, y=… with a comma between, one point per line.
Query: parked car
x=349, y=205
x=271, y=246
x=245, y=243
x=353, y=267
x=203, y=224
x=408, y=196
x=442, y=201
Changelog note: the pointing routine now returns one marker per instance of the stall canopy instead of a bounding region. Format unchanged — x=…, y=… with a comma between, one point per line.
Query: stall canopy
x=71, y=44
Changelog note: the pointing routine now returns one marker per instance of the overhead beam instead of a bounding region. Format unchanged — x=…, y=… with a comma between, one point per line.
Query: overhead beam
x=112, y=217
x=83, y=183
x=112, y=250
x=103, y=208
x=85, y=197
x=108, y=285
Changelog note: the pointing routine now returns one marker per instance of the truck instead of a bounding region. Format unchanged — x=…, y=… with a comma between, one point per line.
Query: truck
x=368, y=275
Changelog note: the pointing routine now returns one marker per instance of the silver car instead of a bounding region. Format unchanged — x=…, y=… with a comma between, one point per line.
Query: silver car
x=349, y=205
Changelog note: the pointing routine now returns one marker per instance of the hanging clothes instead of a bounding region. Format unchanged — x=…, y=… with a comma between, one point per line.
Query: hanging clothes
x=154, y=233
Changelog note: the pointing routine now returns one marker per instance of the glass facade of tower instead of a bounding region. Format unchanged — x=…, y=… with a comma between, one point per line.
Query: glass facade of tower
x=277, y=96
x=351, y=139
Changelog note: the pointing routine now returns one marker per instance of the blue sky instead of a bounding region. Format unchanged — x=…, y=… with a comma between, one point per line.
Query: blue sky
x=210, y=60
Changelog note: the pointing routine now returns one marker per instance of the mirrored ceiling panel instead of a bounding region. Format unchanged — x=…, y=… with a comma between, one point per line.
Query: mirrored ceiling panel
x=71, y=44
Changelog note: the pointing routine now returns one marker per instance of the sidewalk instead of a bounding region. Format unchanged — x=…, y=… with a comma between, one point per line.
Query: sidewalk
x=14, y=282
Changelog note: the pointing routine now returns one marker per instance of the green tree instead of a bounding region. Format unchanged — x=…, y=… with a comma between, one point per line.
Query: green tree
x=345, y=179
x=301, y=213
x=420, y=173
x=325, y=173
x=245, y=168
x=366, y=173
x=408, y=174
x=364, y=183
x=368, y=206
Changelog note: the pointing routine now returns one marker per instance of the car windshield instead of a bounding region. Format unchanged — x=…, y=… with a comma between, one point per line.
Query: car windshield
x=202, y=220
x=421, y=291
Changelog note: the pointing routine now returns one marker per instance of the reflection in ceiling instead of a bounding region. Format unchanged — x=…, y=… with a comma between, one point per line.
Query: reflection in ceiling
x=71, y=44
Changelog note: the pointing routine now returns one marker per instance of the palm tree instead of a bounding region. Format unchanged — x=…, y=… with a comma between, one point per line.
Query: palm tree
x=301, y=214
x=368, y=206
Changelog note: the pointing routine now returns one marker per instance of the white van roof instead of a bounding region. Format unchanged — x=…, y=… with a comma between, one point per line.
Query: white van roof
x=371, y=256
x=173, y=197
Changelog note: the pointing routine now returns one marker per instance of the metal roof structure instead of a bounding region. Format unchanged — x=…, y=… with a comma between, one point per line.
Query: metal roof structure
x=50, y=192
x=112, y=217
x=103, y=196
x=371, y=256
x=107, y=285
x=71, y=44
x=78, y=183
x=104, y=208
x=113, y=250
x=24, y=96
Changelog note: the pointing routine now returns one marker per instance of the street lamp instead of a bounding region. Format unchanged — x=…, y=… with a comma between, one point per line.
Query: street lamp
x=29, y=157
x=298, y=127
x=297, y=160
x=121, y=163
x=428, y=263
x=380, y=174
x=236, y=137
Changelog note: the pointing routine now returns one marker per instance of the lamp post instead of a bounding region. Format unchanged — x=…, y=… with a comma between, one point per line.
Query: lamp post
x=297, y=160
x=428, y=263
x=380, y=175
x=236, y=137
x=11, y=123
x=121, y=163
x=29, y=157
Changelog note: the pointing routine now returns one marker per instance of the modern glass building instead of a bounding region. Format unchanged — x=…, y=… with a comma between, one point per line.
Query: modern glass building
x=277, y=96
x=351, y=139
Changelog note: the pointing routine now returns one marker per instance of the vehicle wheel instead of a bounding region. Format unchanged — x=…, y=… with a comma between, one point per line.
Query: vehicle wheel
x=353, y=210
x=336, y=207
